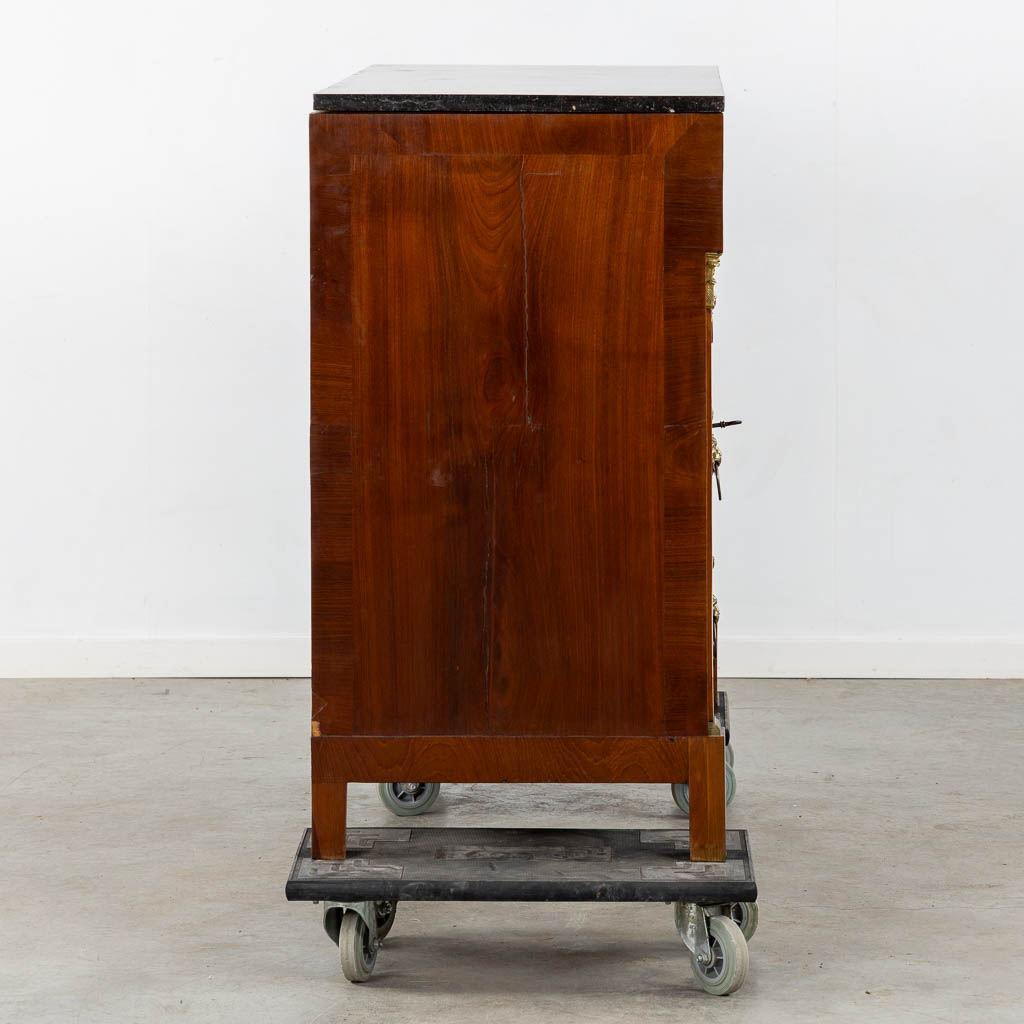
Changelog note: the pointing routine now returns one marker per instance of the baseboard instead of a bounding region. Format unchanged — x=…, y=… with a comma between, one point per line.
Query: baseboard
x=872, y=657
x=757, y=657
x=179, y=656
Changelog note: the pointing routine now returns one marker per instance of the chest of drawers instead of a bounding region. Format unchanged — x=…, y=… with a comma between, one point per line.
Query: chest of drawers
x=510, y=442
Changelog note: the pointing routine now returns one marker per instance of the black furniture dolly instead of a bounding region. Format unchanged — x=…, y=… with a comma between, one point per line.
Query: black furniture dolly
x=714, y=903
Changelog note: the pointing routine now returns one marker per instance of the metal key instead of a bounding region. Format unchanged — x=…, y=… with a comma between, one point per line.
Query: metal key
x=716, y=461
x=716, y=452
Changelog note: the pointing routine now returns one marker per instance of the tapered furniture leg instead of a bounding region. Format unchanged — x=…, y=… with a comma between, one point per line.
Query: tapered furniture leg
x=329, y=799
x=707, y=798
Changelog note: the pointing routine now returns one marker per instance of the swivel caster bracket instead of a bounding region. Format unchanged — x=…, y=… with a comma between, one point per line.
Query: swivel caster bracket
x=364, y=908
x=692, y=925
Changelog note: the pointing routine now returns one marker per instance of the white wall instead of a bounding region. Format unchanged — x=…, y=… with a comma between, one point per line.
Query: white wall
x=153, y=305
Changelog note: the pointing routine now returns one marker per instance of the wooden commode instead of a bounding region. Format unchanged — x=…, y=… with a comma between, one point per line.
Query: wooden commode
x=510, y=441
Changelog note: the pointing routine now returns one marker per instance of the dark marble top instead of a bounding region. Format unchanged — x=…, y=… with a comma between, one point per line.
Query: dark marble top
x=526, y=89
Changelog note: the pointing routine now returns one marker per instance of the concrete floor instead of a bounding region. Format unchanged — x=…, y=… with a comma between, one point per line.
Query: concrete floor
x=148, y=826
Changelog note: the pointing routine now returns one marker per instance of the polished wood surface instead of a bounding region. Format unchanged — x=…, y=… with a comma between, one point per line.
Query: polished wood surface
x=565, y=759
x=335, y=140
x=330, y=803
x=506, y=758
x=510, y=438
x=577, y=503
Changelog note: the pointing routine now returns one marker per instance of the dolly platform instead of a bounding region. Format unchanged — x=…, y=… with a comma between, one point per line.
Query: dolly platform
x=715, y=908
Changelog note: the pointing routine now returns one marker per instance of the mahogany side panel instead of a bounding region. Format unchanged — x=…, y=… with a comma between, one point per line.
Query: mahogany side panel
x=693, y=227
x=510, y=451
x=332, y=565
x=437, y=308
x=330, y=484
x=330, y=252
x=341, y=136
x=576, y=643
x=504, y=758
x=693, y=187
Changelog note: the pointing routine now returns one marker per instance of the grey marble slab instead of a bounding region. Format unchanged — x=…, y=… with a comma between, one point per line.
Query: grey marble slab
x=526, y=89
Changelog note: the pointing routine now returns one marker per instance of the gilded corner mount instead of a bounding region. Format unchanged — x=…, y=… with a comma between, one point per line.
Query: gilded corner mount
x=710, y=266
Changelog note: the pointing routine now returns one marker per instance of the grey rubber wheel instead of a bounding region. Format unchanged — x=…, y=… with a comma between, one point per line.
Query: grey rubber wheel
x=358, y=955
x=730, y=757
x=404, y=798
x=730, y=959
x=385, y=911
x=730, y=783
x=681, y=790
x=681, y=795
x=745, y=915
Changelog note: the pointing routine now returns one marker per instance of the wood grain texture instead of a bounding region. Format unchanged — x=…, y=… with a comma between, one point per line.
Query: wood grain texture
x=707, y=798
x=330, y=258
x=330, y=802
x=693, y=188
x=576, y=646
x=336, y=138
x=693, y=227
x=507, y=758
x=510, y=440
x=330, y=462
x=439, y=357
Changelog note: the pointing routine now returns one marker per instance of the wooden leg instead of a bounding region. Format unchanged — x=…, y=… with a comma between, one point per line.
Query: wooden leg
x=329, y=800
x=707, y=798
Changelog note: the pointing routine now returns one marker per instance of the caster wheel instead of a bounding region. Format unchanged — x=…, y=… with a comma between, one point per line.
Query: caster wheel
x=730, y=757
x=745, y=915
x=681, y=790
x=681, y=795
x=358, y=954
x=385, y=911
x=404, y=798
x=730, y=959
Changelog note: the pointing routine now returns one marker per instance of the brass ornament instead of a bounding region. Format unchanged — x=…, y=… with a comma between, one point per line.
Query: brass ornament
x=710, y=266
